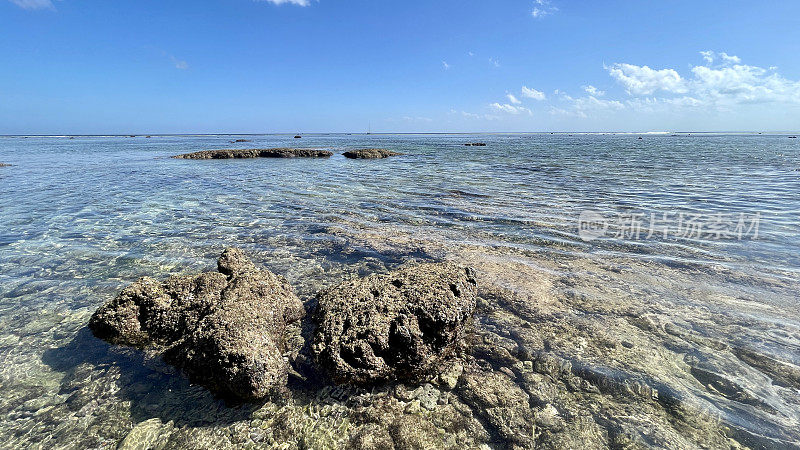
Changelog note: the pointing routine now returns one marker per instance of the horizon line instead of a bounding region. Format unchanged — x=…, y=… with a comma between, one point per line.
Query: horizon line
x=389, y=133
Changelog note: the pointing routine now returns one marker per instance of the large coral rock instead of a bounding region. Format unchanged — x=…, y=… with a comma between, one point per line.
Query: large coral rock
x=224, y=329
x=399, y=326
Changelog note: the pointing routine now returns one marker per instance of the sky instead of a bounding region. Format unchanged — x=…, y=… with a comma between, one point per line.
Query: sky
x=272, y=66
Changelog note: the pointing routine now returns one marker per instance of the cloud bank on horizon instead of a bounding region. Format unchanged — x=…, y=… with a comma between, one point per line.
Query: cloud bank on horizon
x=722, y=84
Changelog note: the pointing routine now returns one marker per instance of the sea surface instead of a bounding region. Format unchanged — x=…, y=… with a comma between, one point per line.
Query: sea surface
x=682, y=250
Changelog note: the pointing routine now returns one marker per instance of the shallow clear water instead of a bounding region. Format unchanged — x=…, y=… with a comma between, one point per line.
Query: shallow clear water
x=81, y=218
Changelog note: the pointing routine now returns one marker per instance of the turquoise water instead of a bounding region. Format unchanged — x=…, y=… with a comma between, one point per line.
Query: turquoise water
x=81, y=218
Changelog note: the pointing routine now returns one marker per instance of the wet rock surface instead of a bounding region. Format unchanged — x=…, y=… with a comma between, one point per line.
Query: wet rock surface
x=224, y=329
x=257, y=153
x=404, y=325
x=370, y=153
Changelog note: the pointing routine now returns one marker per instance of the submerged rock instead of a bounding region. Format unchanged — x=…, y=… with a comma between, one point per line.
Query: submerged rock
x=403, y=325
x=257, y=153
x=224, y=329
x=370, y=153
x=501, y=403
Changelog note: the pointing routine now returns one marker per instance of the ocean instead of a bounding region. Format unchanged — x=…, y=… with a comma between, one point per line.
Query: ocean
x=660, y=274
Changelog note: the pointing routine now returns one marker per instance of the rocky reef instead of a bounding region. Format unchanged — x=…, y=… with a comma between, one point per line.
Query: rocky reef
x=224, y=330
x=404, y=325
x=257, y=153
x=370, y=153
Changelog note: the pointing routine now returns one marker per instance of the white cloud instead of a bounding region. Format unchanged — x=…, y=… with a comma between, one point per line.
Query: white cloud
x=710, y=57
x=34, y=4
x=586, y=106
x=593, y=91
x=532, y=93
x=494, y=62
x=473, y=116
x=179, y=63
x=723, y=82
x=742, y=84
x=512, y=99
x=542, y=8
x=510, y=109
x=445, y=65
x=642, y=80
x=291, y=2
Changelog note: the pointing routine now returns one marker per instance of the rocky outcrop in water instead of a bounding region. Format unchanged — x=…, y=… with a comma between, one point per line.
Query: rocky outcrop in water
x=5, y=165
x=224, y=329
x=403, y=325
x=475, y=144
x=257, y=153
x=370, y=153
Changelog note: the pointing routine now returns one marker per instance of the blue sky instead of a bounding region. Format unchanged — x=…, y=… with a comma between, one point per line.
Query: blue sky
x=144, y=66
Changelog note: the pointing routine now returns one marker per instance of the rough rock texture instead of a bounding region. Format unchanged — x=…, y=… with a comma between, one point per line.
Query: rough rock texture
x=501, y=403
x=399, y=326
x=370, y=153
x=224, y=329
x=257, y=153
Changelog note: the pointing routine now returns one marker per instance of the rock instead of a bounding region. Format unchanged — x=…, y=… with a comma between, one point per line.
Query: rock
x=449, y=378
x=414, y=432
x=405, y=325
x=236, y=141
x=146, y=435
x=257, y=153
x=298, y=137
x=475, y=144
x=5, y=165
x=371, y=437
x=503, y=404
x=370, y=153
x=224, y=329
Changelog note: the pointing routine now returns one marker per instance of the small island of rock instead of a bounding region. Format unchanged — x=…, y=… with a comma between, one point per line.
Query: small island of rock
x=5, y=165
x=370, y=153
x=224, y=329
x=257, y=153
